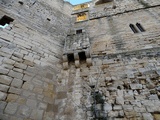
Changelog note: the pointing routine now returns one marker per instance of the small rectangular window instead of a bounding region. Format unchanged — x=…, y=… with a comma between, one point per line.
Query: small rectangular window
x=78, y=31
x=20, y=2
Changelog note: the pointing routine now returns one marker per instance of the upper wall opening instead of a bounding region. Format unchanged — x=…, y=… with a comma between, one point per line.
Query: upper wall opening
x=5, y=20
x=102, y=2
x=78, y=2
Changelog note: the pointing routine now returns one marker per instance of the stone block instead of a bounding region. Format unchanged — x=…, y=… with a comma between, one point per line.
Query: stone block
x=20, y=65
x=7, y=66
x=2, y=106
x=147, y=116
x=156, y=116
x=8, y=61
x=127, y=107
x=12, y=98
x=27, y=77
x=140, y=109
x=111, y=61
x=107, y=107
x=49, y=76
x=4, y=88
x=136, y=86
x=17, y=83
x=113, y=114
x=117, y=107
x=3, y=96
x=38, y=90
x=15, y=90
x=29, y=63
x=119, y=100
x=11, y=108
x=42, y=106
x=18, y=70
x=61, y=95
x=31, y=103
x=37, y=114
x=15, y=74
x=131, y=114
x=4, y=116
x=5, y=79
x=28, y=86
x=153, y=97
x=29, y=58
x=17, y=54
x=24, y=111
x=16, y=59
x=3, y=71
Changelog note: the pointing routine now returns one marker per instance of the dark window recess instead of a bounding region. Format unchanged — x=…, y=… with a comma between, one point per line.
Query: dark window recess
x=70, y=57
x=5, y=20
x=82, y=56
x=140, y=27
x=133, y=28
x=20, y=2
x=103, y=1
x=48, y=19
x=78, y=31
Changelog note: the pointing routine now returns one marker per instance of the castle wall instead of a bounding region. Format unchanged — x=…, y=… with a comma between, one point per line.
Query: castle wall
x=121, y=82
x=125, y=65
x=30, y=57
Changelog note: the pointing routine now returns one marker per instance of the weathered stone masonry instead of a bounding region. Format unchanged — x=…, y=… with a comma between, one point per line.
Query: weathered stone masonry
x=84, y=62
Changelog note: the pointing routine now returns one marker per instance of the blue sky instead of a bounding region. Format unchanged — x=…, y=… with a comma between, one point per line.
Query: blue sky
x=74, y=2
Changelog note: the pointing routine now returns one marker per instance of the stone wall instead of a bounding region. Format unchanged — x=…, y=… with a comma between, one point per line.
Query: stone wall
x=39, y=15
x=121, y=83
x=125, y=65
x=31, y=57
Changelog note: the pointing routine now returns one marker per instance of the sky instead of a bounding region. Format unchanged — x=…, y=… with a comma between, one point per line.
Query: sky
x=75, y=2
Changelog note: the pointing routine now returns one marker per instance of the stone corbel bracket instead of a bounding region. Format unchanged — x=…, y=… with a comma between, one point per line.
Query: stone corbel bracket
x=77, y=59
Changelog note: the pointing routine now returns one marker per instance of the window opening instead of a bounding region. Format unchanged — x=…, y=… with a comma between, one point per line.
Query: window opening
x=78, y=31
x=20, y=2
x=48, y=19
x=79, y=7
x=102, y=2
x=70, y=58
x=140, y=27
x=81, y=17
x=5, y=20
x=133, y=28
x=82, y=56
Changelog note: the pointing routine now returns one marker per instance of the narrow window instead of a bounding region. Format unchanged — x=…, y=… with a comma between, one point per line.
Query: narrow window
x=78, y=31
x=70, y=58
x=140, y=27
x=5, y=20
x=82, y=56
x=133, y=28
x=20, y=2
x=48, y=19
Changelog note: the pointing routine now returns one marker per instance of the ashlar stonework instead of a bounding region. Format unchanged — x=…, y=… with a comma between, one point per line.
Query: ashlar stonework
x=99, y=60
